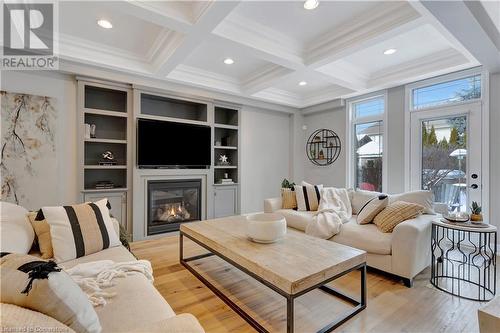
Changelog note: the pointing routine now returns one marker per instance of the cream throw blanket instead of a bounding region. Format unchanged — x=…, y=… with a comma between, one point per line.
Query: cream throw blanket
x=94, y=276
x=334, y=210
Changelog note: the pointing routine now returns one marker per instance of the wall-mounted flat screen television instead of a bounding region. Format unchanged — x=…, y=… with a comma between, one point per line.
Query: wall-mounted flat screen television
x=165, y=144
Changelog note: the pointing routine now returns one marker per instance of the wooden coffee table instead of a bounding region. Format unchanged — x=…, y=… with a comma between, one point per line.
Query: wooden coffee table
x=291, y=267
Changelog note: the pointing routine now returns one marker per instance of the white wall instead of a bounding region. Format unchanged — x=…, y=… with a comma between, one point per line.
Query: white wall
x=63, y=89
x=335, y=173
x=395, y=140
x=265, y=156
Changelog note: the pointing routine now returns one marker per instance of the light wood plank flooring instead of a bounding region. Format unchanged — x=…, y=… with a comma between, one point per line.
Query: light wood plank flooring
x=391, y=306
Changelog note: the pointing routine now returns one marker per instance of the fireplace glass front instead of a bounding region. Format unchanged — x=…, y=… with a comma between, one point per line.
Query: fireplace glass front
x=172, y=202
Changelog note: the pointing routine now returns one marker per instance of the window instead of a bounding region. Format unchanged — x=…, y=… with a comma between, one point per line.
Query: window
x=459, y=90
x=367, y=143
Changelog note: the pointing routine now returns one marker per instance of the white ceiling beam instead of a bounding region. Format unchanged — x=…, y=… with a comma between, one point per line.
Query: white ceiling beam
x=197, y=35
x=265, y=78
x=470, y=26
x=147, y=11
x=367, y=29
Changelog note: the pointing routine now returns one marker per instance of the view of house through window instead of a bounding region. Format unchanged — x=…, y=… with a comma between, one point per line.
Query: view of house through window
x=368, y=133
x=444, y=160
x=368, y=157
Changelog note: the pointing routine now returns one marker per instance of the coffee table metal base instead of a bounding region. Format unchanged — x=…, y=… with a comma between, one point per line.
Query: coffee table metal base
x=359, y=305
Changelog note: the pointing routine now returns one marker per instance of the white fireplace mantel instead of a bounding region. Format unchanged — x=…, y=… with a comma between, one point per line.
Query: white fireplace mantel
x=140, y=193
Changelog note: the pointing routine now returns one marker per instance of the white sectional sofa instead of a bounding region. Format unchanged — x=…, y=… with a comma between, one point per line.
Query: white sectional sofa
x=405, y=252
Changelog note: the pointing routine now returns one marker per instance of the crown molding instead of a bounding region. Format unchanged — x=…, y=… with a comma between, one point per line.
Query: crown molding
x=163, y=48
x=279, y=96
x=372, y=26
x=324, y=95
x=78, y=49
x=424, y=67
x=203, y=78
x=265, y=78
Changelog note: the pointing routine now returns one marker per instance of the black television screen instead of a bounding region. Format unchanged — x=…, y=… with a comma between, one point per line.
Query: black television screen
x=170, y=144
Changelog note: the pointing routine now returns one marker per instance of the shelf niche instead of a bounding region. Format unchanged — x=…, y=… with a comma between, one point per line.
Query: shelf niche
x=225, y=116
x=105, y=99
x=108, y=127
x=160, y=106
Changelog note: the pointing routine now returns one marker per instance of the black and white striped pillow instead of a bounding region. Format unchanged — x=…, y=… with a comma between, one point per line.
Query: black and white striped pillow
x=308, y=197
x=80, y=230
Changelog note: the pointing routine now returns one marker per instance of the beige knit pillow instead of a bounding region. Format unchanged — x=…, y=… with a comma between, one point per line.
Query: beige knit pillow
x=395, y=213
x=14, y=317
x=42, y=231
x=289, y=201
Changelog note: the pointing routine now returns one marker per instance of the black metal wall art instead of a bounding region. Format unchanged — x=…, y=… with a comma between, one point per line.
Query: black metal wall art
x=323, y=147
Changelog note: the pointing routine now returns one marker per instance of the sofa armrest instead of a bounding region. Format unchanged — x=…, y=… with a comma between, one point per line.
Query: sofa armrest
x=411, y=244
x=272, y=204
x=183, y=323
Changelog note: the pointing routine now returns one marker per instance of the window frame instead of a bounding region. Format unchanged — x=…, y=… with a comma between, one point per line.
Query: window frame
x=442, y=79
x=352, y=121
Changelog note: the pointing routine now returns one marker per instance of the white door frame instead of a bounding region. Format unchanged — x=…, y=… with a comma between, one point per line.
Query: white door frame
x=485, y=128
x=473, y=113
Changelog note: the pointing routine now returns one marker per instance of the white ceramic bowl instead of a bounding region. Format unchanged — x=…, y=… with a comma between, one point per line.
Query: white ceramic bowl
x=266, y=227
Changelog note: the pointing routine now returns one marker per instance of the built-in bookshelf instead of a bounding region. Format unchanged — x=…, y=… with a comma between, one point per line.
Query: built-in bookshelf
x=106, y=107
x=226, y=143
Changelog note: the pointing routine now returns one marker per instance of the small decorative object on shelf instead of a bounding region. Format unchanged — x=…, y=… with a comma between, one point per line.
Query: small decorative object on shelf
x=87, y=131
x=218, y=143
x=108, y=158
x=104, y=184
x=223, y=160
x=476, y=215
x=92, y=130
x=323, y=147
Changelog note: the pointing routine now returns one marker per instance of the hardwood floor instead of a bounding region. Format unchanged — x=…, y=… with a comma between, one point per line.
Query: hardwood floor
x=391, y=306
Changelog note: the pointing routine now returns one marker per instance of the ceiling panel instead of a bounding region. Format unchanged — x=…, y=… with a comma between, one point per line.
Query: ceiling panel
x=291, y=19
x=315, y=83
x=210, y=56
x=412, y=45
x=79, y=19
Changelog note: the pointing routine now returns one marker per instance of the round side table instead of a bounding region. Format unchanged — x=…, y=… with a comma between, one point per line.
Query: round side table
x=463, y=259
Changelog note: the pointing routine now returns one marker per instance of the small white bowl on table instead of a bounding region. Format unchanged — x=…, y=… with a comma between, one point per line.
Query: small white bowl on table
x=266, y=227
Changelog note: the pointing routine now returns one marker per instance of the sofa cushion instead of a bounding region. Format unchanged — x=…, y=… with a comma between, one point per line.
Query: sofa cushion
x=117, y=254
x=422, y=198
x=308, y=197
x=296, y=219
x=42, y=231
x=364, y=237
x=16, y=232
x=183, y=323
x=13, y=316
x=136, y=301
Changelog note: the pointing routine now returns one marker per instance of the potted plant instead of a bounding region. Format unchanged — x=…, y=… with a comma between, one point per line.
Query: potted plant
x=476, y=215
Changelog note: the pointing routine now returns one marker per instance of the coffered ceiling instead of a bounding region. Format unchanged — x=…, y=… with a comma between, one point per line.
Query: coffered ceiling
x=337, y=48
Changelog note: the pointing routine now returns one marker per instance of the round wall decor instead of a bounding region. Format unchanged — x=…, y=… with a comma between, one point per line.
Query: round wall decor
x=323, y=147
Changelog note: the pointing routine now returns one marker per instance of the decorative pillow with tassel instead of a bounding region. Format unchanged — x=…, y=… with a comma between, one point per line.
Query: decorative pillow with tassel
x=42, y=286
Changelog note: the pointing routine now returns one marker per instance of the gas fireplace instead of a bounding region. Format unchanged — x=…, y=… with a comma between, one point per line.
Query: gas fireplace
x=172, y=202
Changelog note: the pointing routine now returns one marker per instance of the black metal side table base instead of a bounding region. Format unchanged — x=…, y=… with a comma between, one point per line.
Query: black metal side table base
x=359, y=305
x=465, y=260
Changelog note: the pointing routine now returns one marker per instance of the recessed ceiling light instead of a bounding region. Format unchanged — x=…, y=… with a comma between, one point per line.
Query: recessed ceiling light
x=228, y=61
x=390, y=51
x=302, y=83
x=105, y=24
x=311, y=4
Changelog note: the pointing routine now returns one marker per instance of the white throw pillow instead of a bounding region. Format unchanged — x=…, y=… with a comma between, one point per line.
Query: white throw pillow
x=80, y=230
x=371, y=209
x=16, y=232
x=422, y=198
x=360, y=198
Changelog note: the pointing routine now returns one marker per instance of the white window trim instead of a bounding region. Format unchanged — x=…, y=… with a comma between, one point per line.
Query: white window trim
x=485, y=130
x=351, y=121
x=442, y=79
